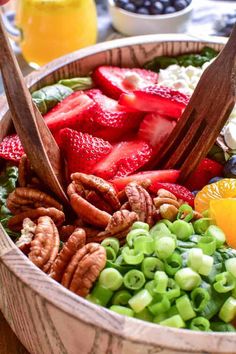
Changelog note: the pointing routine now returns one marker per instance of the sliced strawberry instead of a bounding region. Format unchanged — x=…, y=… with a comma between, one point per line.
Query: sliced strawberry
x=155, y=177
x=179, y=191
x=11, y=148
x=82, y=151
x=125, y=158
x=163, y=100
x=155, y=129
x=114, y=81
x=206, y=170
x=108, y=120
x=69, y=112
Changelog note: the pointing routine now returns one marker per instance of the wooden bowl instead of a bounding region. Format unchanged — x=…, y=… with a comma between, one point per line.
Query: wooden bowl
x=49, y=319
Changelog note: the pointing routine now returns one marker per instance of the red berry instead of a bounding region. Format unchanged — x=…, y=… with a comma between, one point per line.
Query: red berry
x=125, y=158
x=114, y=81
x=11, y=148
x=206, y=170
x=82, y=151
x=164, y=100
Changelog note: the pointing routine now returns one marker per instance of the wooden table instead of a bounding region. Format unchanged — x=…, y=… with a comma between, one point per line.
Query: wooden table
x=9, y=343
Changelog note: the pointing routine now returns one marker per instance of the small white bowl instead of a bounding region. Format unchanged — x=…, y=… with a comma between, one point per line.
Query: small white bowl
x=132, y=24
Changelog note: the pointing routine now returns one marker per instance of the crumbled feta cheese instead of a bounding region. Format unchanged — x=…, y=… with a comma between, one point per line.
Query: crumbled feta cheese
x=230, y=135
x=132, y=80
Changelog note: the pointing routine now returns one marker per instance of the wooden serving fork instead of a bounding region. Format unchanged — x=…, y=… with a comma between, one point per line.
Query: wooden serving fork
x=205, y=115
x=38, y=142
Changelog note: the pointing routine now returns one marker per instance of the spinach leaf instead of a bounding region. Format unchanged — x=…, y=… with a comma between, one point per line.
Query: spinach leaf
x=78, y=83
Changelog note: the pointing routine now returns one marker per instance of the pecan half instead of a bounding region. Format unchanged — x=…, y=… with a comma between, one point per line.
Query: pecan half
x=95, y=199
x=118, y=226
x=22, y=199
x=167, y=205
x=45, y=245
x=15, y=222
x=140, y=202
x=85, y=210
x=65, y=231
x=84, y=269
x=27, y=234
x=75, y=242
x=26, y=175
x=100, y=186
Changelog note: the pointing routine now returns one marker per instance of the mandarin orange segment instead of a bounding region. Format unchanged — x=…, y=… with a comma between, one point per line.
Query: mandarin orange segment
x=223, y=212
x=225, y=188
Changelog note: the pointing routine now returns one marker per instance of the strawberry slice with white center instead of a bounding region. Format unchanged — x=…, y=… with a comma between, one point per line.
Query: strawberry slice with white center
x=163, y=100
x=82, y=151
x=69, y=112
x=179, y=191
x=11, y=148
x=108, y=120
x=114, y=80
x=125, y=158
x=155, y=177
x=155, y=129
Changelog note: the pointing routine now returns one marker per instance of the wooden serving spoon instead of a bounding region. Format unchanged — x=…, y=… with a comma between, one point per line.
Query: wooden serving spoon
x=205, y=115
x=36, y=138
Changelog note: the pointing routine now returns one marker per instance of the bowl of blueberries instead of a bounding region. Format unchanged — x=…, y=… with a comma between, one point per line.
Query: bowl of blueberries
x=137, y=17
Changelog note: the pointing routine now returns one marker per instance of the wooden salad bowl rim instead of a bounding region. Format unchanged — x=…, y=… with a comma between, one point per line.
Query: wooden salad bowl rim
x=12, y=259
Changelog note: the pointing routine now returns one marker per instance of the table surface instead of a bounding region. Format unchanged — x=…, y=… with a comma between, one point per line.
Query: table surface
x=205, y=15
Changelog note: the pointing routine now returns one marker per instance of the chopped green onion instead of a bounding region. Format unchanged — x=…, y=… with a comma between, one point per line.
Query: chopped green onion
x=200, y=298
x=160, y=317
x=215, y=232
x=132, y=256
x=111, y=242
x=134, y=279
x=201, y=225
x=206, y=266
x=93, y=299
x=173, y=289
x=230, y=265
x=164, y=247
x=161, y=306
x=121, y=310
x=185, y=213
x=140, y=225
x=150, y=286
x=159, y=229
x=102, y=294
x=200, y=324
x=173, y=264
x=195, y=256
x=140, y=300
x=222, y=327
x=133, y=234
x=182, y=229
x=187, y=279
x=228, y=310
x=174, y=321
x=225, y=282
x=144, y=244
x=110, y=278
x=144, y=315
x=161, y=280
x=166, y=222
x=207, y=244
x=111, y=255
x=150, y=265
x=185, y=308
x=121, y=297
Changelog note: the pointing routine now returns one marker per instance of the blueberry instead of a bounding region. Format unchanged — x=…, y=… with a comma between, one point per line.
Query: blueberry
x=130, y=7
x=147, y=3
x=169, y=10
x=143, y=11
x=215, y=179
x=230, y=168
x=157, y=8
x=121, y=3
x=166, y=3
x=137, y=2
x=180, y=5
x=195, y=193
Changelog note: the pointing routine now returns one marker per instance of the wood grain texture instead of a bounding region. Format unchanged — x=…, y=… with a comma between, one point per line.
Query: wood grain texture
x=48, y=318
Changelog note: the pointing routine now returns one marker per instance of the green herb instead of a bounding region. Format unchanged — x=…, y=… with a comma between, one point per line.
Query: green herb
x=197, y=60
x=78, y=83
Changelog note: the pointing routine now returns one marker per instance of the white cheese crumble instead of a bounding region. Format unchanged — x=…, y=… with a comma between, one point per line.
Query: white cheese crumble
x=185, y=79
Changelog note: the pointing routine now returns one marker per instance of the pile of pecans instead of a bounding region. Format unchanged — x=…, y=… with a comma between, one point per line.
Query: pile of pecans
x=97, y=212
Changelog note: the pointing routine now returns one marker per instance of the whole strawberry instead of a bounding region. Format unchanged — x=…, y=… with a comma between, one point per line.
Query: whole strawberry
x=82, y=151
x=11, y=148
